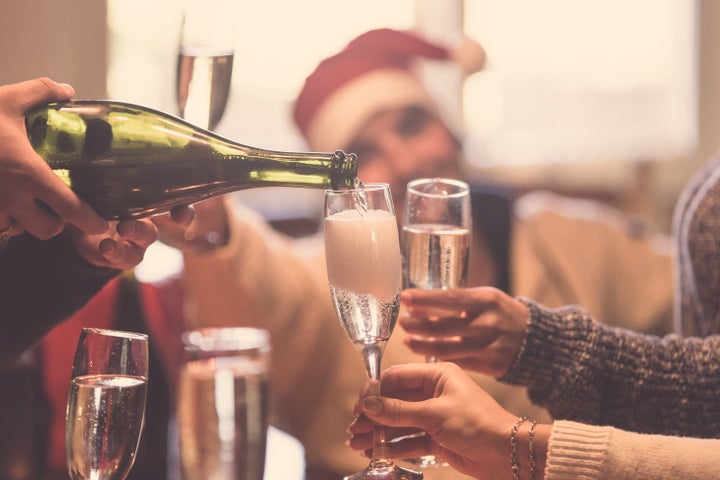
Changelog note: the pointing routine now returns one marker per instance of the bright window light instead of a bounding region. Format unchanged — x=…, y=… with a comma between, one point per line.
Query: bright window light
x=279, y=42
x=575, y=80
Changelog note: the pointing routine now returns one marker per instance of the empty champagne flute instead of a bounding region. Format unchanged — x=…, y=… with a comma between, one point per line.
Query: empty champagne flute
x=224, y=403
x=364, y=270
x=205, y=61
x=106, y=404
x=435, y=239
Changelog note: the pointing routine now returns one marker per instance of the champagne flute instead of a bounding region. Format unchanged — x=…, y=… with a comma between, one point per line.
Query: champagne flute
x=436, y=234
x=106, y=404
x=363, y=265
x=205, y=61
x=204, y=71
x=224, y=403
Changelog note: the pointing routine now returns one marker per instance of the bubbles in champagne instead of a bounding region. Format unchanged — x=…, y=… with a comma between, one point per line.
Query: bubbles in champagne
x=435, y=256
x=104, y=420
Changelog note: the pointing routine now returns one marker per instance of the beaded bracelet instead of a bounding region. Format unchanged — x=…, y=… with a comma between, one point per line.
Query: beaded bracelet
x=514, y=462
x=531, y=448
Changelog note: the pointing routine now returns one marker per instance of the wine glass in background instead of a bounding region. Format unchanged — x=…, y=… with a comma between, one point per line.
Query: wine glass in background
x=363, y=265
x=435, y=239
x=224, y=403
x=106, y=404
x=206, y=48
x=205, y=61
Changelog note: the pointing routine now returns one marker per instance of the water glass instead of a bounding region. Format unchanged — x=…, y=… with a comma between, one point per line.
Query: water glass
x=224, y=403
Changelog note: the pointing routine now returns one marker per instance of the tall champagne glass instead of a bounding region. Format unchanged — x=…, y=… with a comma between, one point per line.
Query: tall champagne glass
x=363, y=265
x=224, y=404
x=205, y=61
x=435, y=239
x=106, y=404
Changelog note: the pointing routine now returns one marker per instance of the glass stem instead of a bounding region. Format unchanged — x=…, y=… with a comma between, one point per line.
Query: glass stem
x=372, y=357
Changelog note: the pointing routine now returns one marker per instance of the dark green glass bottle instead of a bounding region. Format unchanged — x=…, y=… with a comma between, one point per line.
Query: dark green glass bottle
x=129, y=161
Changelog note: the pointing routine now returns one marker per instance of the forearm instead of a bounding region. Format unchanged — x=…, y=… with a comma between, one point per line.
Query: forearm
x=585, y=371
x=41, y=284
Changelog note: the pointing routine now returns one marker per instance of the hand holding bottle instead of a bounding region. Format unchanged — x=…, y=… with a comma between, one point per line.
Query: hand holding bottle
x=208, y=230
x=123, y=245
x=32, y=197
x=463, y=425
x=480, y=329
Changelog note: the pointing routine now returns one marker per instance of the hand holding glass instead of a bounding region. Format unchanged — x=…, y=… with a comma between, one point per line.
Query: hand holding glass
x=364, y=269
x=436, y=234
x=106, y=404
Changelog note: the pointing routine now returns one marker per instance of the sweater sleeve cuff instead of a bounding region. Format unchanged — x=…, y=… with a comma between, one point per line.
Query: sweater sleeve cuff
x=555, y=339
x=576, y=450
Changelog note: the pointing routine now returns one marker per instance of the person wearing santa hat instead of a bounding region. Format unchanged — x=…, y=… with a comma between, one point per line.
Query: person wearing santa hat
x=368, y=99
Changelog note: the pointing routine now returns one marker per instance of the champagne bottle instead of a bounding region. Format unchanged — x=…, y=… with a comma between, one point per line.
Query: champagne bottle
x=129, y=161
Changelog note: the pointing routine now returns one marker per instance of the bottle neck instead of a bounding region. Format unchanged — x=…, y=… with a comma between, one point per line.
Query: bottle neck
x=334, y=170
x=345, y=175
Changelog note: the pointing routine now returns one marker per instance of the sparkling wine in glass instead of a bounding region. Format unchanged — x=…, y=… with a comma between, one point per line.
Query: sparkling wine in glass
x=205, y=61
x=106, y=404
x=364, y=270
x=435, y=239
x=224, y=403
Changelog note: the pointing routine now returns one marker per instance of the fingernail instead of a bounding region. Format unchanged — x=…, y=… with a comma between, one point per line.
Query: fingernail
x=67, y=88
x=372, y=405
x=126, y=228
x=107, y=246
x=348, y=430
x=405, y=297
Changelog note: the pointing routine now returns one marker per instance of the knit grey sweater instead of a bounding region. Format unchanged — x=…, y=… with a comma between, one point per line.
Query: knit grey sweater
x=583, y=370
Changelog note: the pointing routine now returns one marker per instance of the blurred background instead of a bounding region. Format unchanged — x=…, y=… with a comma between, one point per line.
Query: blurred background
x=613, y=100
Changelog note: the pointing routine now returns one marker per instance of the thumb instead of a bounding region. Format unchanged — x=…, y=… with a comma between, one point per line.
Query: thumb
x=395, y=413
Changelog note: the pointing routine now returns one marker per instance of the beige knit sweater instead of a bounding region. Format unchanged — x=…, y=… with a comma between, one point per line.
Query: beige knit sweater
x=582, y=452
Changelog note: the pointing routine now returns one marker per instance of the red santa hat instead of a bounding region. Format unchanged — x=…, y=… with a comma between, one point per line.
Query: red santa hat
x=373, y=73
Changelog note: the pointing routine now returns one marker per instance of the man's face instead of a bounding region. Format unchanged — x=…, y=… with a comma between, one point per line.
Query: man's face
x=397, y=146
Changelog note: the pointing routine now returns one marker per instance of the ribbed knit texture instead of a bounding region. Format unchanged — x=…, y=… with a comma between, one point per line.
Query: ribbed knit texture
x=576, y=451
x=583, y=452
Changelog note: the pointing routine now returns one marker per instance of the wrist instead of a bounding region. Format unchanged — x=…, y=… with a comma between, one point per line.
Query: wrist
x=205, y=242
x=528, y=449
x=208, y=231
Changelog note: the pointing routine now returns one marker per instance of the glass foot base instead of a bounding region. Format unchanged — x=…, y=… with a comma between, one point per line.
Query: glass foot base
x=386, y=473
